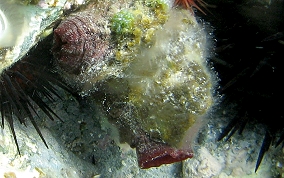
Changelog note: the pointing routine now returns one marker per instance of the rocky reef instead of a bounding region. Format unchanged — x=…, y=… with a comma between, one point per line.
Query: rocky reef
x=145, y=64
x=110, y=87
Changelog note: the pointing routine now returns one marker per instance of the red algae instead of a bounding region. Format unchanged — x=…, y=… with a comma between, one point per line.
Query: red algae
x=151, y=153
x=80, y=41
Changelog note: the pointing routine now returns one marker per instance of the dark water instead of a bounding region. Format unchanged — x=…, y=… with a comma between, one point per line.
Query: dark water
x=249, y=53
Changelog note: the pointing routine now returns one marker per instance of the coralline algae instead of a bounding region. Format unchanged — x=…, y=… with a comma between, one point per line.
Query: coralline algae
x=153, y=84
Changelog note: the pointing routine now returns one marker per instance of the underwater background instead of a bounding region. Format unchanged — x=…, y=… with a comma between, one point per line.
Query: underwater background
x=166, y=82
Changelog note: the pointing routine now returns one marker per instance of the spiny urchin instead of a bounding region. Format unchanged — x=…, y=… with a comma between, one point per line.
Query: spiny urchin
x=249, y=55
x=26, y=86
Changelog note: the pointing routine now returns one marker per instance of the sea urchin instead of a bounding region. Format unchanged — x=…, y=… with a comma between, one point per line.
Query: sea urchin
x=25, y=86
x=188, y=4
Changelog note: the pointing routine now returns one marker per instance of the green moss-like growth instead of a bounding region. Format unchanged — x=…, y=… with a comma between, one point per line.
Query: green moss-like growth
x=122, y=23
x=136, y=26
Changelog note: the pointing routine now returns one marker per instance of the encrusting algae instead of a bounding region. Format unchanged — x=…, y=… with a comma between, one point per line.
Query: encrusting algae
x=153, y=82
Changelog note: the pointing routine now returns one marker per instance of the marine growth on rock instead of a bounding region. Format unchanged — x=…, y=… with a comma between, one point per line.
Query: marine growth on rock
x=145, y=64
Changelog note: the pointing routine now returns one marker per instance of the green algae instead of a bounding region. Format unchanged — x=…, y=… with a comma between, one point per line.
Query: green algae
x=122, y=23
x=136, y=26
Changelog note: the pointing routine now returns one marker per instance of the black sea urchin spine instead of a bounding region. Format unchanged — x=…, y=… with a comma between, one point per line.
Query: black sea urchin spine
x=26, y=85
x=249, y=63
